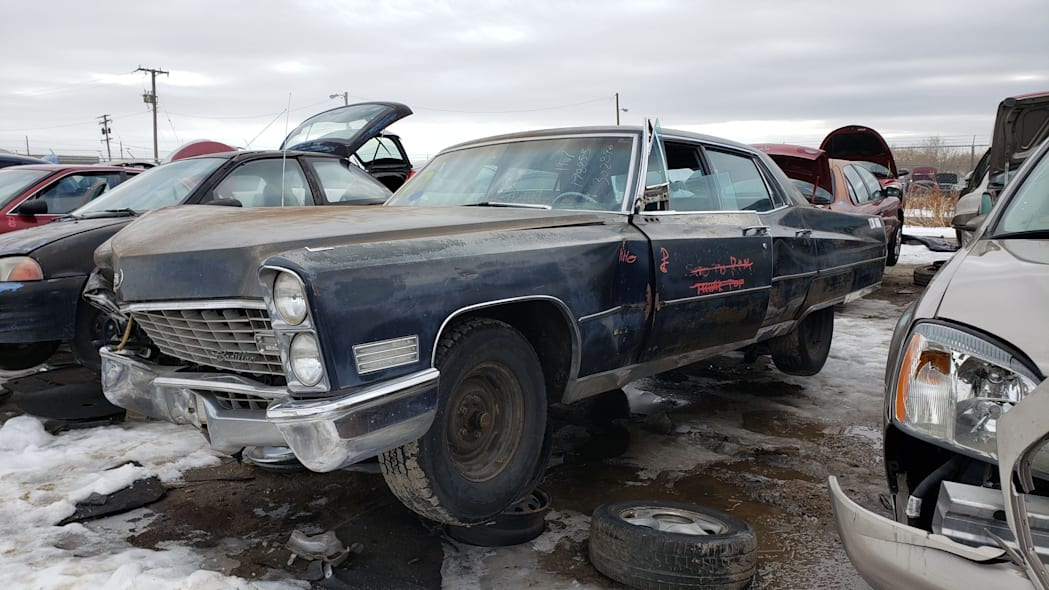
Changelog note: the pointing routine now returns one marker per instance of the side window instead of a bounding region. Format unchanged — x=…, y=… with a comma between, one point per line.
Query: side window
x=691, y=188
x=378, y=149
x=857, y=190
x=869, y=180
x=75, y=190
x=740, y=182
x=259, y=183
x=344, y=183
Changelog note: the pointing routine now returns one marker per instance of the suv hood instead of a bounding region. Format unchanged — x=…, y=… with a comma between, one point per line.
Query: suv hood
x=1001, y=287
x=25, y=241
x=1021, y=125
x=343, y=130
x=200, y=251
x=855, y=142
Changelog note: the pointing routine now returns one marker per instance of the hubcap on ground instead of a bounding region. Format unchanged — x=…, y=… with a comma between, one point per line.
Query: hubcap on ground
x=486, y=422
x=673, y=520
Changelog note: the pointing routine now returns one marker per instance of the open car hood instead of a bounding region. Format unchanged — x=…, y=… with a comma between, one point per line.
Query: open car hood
x=343, y=130
x=801, y=163
x=856, y=142
x=1021, y=125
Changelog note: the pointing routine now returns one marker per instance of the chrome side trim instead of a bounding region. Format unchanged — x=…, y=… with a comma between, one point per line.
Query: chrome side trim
x=225, y=383
x=601, y=314
x=848, y=266
x=200, y=304
x=800, y=275
x=566, y=313
x=714, y=295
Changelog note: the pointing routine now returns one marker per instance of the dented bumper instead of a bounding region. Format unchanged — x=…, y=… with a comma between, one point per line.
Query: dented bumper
x=889, y=554
x=235, y=412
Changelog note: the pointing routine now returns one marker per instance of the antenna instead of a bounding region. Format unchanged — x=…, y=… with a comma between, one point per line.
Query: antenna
x=284, y=155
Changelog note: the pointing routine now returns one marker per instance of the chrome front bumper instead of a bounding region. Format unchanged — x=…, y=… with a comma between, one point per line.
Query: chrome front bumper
x=325, y=434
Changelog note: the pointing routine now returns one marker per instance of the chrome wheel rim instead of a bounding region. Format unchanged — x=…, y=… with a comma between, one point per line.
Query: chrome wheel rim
x=673, y=520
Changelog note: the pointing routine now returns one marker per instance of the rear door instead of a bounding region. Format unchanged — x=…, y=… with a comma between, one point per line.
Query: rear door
x=712, y=259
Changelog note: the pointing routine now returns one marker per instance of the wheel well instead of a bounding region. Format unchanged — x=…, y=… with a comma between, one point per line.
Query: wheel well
x=546, y=328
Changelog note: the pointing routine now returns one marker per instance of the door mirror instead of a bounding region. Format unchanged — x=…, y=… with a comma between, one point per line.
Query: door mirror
x=31, y=208
x=902, y=172
x=892, y=191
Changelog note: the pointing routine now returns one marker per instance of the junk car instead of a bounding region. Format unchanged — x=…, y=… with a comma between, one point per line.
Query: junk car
x=43, y=270
x=966, y=403
x=510, y=273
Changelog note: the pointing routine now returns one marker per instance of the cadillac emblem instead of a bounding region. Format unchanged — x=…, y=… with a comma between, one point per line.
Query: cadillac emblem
x=118, y=278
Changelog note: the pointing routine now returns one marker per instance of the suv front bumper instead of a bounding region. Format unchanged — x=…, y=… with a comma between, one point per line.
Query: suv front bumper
x=235, y=412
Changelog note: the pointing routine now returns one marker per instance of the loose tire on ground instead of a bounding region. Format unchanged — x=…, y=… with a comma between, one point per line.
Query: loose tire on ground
x=923, y=274
x=804, y=350
x=487, y=446
x=17, y=357
x=655, y=545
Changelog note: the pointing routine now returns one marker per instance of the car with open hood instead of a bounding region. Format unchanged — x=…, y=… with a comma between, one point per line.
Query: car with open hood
x=966, y=401
x=867, y=148
x=842, y=185
x=35, y=194
x=45, y=268
x=1021, y=124
x=509, y=273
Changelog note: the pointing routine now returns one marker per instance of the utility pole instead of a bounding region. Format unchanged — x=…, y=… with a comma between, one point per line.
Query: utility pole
x=151, y=98
x=106, y=130
x=345, y=97
x=617, y=109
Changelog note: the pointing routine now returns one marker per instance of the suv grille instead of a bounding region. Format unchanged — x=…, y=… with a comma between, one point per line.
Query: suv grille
x=235, y=339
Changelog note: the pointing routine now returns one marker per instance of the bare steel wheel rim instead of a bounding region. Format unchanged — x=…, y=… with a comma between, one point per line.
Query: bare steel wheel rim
x=673, y=520
x=897, y=245
x=486, y=422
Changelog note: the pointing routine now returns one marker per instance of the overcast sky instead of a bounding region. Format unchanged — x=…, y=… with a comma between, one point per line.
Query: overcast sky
x=749, y=70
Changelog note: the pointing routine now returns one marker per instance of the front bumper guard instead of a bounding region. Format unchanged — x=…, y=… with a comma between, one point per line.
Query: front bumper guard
x=325, y=434
x=889, y=554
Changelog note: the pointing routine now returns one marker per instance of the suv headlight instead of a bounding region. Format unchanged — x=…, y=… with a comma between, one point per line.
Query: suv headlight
x=20, y=269
x=953, y=386
x=289, y=298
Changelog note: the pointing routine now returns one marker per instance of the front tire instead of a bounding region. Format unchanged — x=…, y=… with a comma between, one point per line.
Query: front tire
x=895, y=246
x=804, y=350
x=486, y=448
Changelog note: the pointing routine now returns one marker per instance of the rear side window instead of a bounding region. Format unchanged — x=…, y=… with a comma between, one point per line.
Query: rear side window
x=858, y=191
x=740, y=182
x=343, y=183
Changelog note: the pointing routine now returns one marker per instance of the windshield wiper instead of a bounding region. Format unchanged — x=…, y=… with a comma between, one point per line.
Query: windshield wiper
x=512, y=205
x=1031, y=234
x=108, y=213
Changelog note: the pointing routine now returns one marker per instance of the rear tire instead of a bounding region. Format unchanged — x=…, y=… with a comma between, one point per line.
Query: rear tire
x=804, y=350
x=923, y=274
x=895, y=246
x=703, y=548
x=486, y=448
x=18, y=357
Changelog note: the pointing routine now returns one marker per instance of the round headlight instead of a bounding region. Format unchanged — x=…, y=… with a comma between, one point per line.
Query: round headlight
x=289, y=298
x=305, y=357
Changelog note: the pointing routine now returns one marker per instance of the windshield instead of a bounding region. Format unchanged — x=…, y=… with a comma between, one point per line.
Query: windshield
x=875, y=169
x=1028, y=209
x=158, y=187
x=561, y=173
x=13, y=181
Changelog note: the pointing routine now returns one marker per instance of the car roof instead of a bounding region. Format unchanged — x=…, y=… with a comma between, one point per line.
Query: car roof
x=75, y=167
x=598, y=129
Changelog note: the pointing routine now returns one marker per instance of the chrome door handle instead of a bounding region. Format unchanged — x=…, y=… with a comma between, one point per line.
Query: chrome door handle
x=759, y=230
x=803, y=233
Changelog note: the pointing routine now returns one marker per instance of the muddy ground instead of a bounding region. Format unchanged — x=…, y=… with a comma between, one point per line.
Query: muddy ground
x=729, y=433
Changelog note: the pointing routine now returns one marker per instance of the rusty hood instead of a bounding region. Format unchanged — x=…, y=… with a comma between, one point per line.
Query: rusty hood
x=204, y=252
x=1000, y=287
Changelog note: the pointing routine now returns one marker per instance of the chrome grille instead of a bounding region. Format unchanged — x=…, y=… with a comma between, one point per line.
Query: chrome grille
x=235, y=339
x=241, y=401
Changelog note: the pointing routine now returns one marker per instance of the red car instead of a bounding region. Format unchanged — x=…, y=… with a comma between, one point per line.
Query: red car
x=37, y=193
x=842, y=185
x=867, y=148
